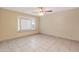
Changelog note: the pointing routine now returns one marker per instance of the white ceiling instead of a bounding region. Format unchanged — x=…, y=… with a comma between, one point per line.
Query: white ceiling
x=34, y=10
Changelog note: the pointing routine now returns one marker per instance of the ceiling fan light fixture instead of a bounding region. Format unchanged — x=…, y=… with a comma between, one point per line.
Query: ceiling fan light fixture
x=41, y=14
x=43, y=11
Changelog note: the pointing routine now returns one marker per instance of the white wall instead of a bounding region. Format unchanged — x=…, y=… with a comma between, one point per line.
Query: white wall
x=63, y=24
x=8, y=25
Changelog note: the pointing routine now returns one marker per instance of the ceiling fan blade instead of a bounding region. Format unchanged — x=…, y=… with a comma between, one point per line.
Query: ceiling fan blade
x=49, y=11
x=35, y=11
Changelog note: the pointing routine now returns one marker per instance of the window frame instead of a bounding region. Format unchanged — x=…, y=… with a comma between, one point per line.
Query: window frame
x=19, y=18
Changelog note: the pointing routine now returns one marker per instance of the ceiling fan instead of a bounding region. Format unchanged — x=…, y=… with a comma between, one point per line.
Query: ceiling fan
x=43, y=11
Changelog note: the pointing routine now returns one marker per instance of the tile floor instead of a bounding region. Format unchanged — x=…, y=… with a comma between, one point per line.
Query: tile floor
x=39, y=43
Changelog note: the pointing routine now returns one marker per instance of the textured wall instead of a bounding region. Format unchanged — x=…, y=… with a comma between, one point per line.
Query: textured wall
x=63, y=24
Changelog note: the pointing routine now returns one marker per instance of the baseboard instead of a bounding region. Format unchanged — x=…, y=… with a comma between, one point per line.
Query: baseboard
x=18, y=37
x=59, y=37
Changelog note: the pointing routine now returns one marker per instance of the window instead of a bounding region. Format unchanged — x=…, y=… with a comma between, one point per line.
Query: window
x=26, y=24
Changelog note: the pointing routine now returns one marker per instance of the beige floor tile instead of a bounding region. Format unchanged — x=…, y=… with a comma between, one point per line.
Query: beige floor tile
x=74, y=46
x=39, y=43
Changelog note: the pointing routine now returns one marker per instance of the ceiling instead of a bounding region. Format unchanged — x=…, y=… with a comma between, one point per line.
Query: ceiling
x=34, y=10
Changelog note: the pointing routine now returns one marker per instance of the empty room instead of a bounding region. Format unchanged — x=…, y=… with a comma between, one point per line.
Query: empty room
x=39, y=29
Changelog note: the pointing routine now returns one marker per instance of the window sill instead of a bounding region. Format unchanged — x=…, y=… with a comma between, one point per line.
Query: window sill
x=26, y=31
